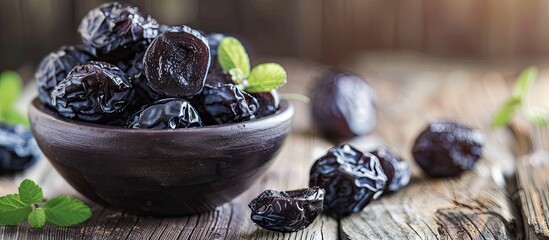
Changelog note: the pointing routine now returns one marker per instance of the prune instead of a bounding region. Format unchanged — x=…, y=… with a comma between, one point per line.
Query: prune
x=18, y=148
x=397, y=170
x=225, y=103
x=177, y=61
x=343, y=105
x=351, y=179
x=134, y=67
x=114, y=30
x=269, y=102
x=55, y=67
x=213, y=41
x=447, y=148
x=288, y=211
x=218, y=76
x=93, y=92
x=168, y=113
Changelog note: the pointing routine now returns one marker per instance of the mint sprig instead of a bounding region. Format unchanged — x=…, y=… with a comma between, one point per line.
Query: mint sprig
x=10, y=89
x=61, y=210
x=519, y=101
x=234, y=60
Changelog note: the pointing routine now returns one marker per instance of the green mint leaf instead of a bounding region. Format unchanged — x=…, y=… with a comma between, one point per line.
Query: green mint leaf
x=10, y=88
x=13, y=211
x=266, y=77
x=537, y=116
x=37, y=218
x=66, y=211
x=11, y=116
x=237, y=76
x=524, y=82
x=231, y=54
x=506, y=112
x=29, y=192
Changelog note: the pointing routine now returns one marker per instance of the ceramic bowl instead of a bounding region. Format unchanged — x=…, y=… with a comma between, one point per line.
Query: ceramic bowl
x=160, y=172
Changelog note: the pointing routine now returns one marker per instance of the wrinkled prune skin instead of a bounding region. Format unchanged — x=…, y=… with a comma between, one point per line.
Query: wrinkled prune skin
x=168, y=113
x=397, y=170
x=342, y=105
x=18, y=148
x=351, y=179
x=269, y=102
x=218, y=76
x=225, y=103
x=288, y=211
x=177, y=62
x=213, y=41
x=447, y=148
x=94, y=92
x=114, y=30
x=55, y=67
x=135, y=68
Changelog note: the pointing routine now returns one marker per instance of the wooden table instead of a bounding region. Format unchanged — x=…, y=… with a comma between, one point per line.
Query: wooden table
x=481, y=204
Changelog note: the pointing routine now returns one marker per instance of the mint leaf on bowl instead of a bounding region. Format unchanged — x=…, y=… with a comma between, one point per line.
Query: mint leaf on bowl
x=232, y=54
x=266, y=77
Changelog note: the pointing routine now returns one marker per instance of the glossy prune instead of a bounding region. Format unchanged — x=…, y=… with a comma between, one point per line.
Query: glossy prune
x=218, y=76
x=288, y=211
x=55, y=67
x=135, y=68
x=213, y=41
x=18, y=148
x=225, y=103
x=397, y=170
x=269, y=102
x=447, y=148
x=177, y=62
x=343, y=105
x=351, y=179
x=94, y=92
x=114, y=30
x=168, y=113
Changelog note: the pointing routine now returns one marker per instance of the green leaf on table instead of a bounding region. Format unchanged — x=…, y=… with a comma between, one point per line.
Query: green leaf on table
x=12, y=116
x=525, y=81
x=10, y=88
x=506, y=112
x=66, y=211
x=30, y=192
x=13, y=211
x=232, y=54
x=537, y=116
x=266, y=77
x=37, y=218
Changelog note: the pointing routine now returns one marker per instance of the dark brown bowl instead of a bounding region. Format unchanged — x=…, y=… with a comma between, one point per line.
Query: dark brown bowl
x=160, y=172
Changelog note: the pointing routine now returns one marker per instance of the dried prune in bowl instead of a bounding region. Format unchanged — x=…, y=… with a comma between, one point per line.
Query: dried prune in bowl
x=350, y=177
x=287, y=211
x=447, y=148
x=342, y=105
x=225, y=103
x=177, y=62
x=18, y=148
x=397, y=170
x=167, y=113
x=269, y=102
x=55, y=67
x=114, y=30
x=94, y=92
x=213, y=41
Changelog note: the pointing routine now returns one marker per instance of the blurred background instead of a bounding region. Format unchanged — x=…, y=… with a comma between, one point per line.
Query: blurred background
x=329, y=32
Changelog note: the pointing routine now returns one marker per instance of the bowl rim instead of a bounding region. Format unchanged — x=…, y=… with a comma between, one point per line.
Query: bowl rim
x=285, y=112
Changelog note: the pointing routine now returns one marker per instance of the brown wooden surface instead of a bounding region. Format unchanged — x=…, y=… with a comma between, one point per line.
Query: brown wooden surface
x=477, y=205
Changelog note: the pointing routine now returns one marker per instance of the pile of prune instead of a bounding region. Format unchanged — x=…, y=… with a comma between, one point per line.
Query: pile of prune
x=18, y=148
x=343, y=105
x=133, y=72
x=288, y=211
x=447, y=148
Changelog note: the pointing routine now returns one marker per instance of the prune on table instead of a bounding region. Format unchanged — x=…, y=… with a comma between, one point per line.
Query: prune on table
x=94, y=92
x=225, y=103
x=213, y=41
x=343, y=105
x=55, y=67
x=18, y=148
x=177, y=62
x=447, y=148
x=167, y=113
x=397, y=170
x=350, y=177
x=114, y=30
x=269, y=102
x=288, y=211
